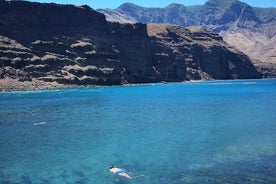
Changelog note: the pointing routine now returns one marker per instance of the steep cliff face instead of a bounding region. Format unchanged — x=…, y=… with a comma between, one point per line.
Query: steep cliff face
x=70, y=45
x=249, y=29
x=195, y=54
x=26, y=21
x=60, y=45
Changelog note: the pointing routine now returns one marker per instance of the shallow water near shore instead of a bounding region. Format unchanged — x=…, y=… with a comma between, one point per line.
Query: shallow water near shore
x=201, y=132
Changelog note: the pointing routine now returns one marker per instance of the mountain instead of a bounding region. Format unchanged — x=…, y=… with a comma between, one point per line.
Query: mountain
x=251, y=30
x=51, y=45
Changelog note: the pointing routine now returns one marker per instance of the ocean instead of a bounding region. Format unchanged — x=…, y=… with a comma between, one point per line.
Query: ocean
x=195, y=133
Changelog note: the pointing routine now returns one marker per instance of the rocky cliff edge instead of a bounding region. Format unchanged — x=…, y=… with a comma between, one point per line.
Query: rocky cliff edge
x=50, y=45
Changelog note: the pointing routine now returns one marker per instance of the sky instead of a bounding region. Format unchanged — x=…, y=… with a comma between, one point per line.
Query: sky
x=97, y=4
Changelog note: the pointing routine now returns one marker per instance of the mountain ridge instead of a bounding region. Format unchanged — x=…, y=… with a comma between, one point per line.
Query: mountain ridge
x=232, y=19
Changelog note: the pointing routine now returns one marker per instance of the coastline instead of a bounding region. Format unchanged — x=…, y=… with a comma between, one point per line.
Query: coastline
x=9, y=85
x=12, y=85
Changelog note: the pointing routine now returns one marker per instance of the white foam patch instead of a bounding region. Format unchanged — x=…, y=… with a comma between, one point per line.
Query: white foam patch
x=39, y=123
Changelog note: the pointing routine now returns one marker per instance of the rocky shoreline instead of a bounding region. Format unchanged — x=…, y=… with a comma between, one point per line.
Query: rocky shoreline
x=9, y=84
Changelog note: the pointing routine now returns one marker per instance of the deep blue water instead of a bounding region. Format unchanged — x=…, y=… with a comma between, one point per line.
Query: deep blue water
x=203, y=132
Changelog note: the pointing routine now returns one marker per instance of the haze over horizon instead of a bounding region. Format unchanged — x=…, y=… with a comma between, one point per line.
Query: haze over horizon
x=153, y=3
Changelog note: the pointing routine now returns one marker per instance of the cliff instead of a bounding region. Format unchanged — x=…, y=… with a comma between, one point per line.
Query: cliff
x=195, y=54
x=249, y=29
x=50, y=45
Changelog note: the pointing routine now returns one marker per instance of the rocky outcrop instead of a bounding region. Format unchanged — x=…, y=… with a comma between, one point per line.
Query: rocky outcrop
x=251, y=30
x=50, y=45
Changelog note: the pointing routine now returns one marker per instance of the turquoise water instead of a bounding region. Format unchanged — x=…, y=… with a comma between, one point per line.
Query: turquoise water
x=203, y=132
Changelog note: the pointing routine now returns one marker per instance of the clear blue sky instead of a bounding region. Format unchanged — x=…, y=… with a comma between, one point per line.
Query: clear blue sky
x=96, y=4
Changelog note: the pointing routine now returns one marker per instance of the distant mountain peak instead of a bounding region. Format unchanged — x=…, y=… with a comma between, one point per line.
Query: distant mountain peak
x=221, y=3
x=128, y=5
x=175, y=5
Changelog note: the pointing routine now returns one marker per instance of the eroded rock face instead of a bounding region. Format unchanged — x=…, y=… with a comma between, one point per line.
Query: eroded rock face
x=195, y=54
x=68, y=45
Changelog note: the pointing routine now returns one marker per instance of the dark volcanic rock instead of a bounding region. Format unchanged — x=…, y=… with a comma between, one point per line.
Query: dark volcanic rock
x=26, y=21
x=43, y=44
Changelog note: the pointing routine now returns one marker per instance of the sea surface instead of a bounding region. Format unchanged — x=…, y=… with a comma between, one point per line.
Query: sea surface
x=195, y=133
